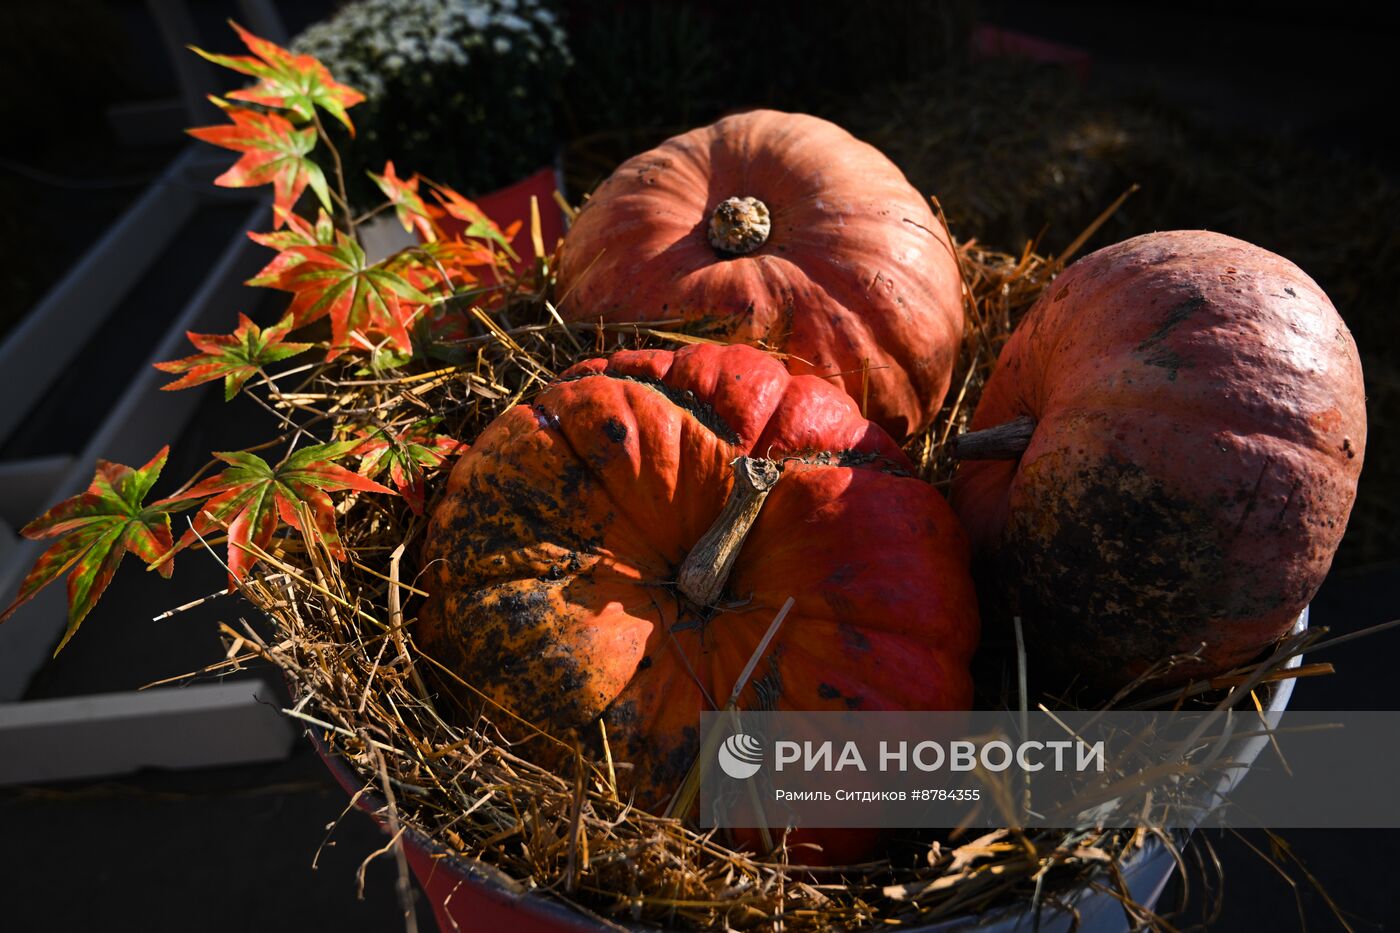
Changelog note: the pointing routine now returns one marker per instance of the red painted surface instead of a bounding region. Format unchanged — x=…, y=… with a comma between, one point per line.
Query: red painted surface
x=461, y=900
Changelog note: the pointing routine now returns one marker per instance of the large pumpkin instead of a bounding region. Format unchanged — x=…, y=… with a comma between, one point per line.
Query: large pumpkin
x=1198, y=426
x=783, y=230
x=561, y=589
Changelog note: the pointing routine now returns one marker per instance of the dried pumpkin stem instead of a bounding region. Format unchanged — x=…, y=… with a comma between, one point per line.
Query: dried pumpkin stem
x=739, y=226
x=705, y=570
x=1002, y=442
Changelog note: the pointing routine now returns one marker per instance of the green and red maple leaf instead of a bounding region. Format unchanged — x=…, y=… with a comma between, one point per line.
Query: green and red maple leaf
x=252, y=497
x=479, y=227
x=235, y=357
x=370, y=306
x=95, y=530
x=407, y=455
x=286, y=80
x=298, y=232
x=273, y=151
x=408, y=203
x=366, y=302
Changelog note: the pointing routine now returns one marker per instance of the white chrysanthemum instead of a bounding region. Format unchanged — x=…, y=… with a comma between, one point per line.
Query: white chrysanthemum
x=393, y=34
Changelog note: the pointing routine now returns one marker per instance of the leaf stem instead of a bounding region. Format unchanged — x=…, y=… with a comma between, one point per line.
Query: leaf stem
x=343, y=199
x=370, y=215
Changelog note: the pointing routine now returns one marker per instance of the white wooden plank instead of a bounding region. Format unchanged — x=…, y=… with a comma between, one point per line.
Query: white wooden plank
x=117, y=733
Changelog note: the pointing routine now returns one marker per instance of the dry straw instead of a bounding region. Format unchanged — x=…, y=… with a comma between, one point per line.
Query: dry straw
x=343, y=638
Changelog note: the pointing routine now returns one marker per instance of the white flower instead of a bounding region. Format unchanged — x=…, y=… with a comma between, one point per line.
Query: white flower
x=369, y=40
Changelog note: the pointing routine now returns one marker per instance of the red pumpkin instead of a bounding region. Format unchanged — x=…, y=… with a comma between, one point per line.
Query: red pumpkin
x=1199, y=422
x=561, y=589
x=783, y=230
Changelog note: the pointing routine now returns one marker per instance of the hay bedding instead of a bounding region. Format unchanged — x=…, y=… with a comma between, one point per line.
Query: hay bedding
x=342, y=636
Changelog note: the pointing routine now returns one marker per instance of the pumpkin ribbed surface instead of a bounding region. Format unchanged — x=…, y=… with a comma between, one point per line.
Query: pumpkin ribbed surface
x=782, y=230
x=552, y=559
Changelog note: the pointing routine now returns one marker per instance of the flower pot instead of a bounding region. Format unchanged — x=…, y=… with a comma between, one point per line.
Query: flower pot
x=468, y=895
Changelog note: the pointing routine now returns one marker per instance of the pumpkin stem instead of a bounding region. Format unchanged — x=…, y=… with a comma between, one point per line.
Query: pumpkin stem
x=705, y=570
x=739, y=226
x=1003, y=442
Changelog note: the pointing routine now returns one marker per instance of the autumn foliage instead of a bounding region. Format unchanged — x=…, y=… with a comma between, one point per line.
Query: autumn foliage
x=374, y=314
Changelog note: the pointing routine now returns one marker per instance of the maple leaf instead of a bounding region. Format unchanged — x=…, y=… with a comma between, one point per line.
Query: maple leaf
x=95, y=530
x=362, y=299
x=273, y=152
x=298, y=232
x=286, y=80
x=252, y=496
x=407, y=455
x=408, y=203
x=234, y=357
x=442, y=267
x=479, y=226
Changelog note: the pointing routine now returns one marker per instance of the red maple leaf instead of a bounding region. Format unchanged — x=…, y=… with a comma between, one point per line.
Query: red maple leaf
x=95, y=529
x=286, y=80
x=298, y=232
x=407, y=455
x=408, y=203
x=479, y=226
x=363, y=300
x=273, y=152
x=443, y=267
x=252, y=496
x=234, y=357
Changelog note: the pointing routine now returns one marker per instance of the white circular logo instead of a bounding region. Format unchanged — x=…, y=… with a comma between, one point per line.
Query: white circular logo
x=740, y=756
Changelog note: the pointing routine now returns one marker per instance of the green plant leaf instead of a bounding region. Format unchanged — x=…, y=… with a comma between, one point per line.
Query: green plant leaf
x=95, y=529
x=364, y=301
x=408, y=203
x=251, y=498
x=286, y=80
x=479, y=226
x=273, y=152
x=407, y=455
x=298, y=232
x=234, y=357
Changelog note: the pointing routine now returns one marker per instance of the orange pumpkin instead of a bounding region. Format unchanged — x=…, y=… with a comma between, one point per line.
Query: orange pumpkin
x=563, y=568
x=1193, y=421
x=782, y=230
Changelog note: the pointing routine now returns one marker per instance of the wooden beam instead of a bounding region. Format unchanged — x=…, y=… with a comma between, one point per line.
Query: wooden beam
x=117, y=733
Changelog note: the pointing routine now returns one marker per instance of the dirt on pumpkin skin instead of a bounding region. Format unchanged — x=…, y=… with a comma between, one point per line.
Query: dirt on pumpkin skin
x=1090, y=542
x=557, y=559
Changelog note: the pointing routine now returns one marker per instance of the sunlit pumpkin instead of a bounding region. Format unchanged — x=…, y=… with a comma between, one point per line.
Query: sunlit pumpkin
x=592, y=558
x=784, y=230
x=1192, y=428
